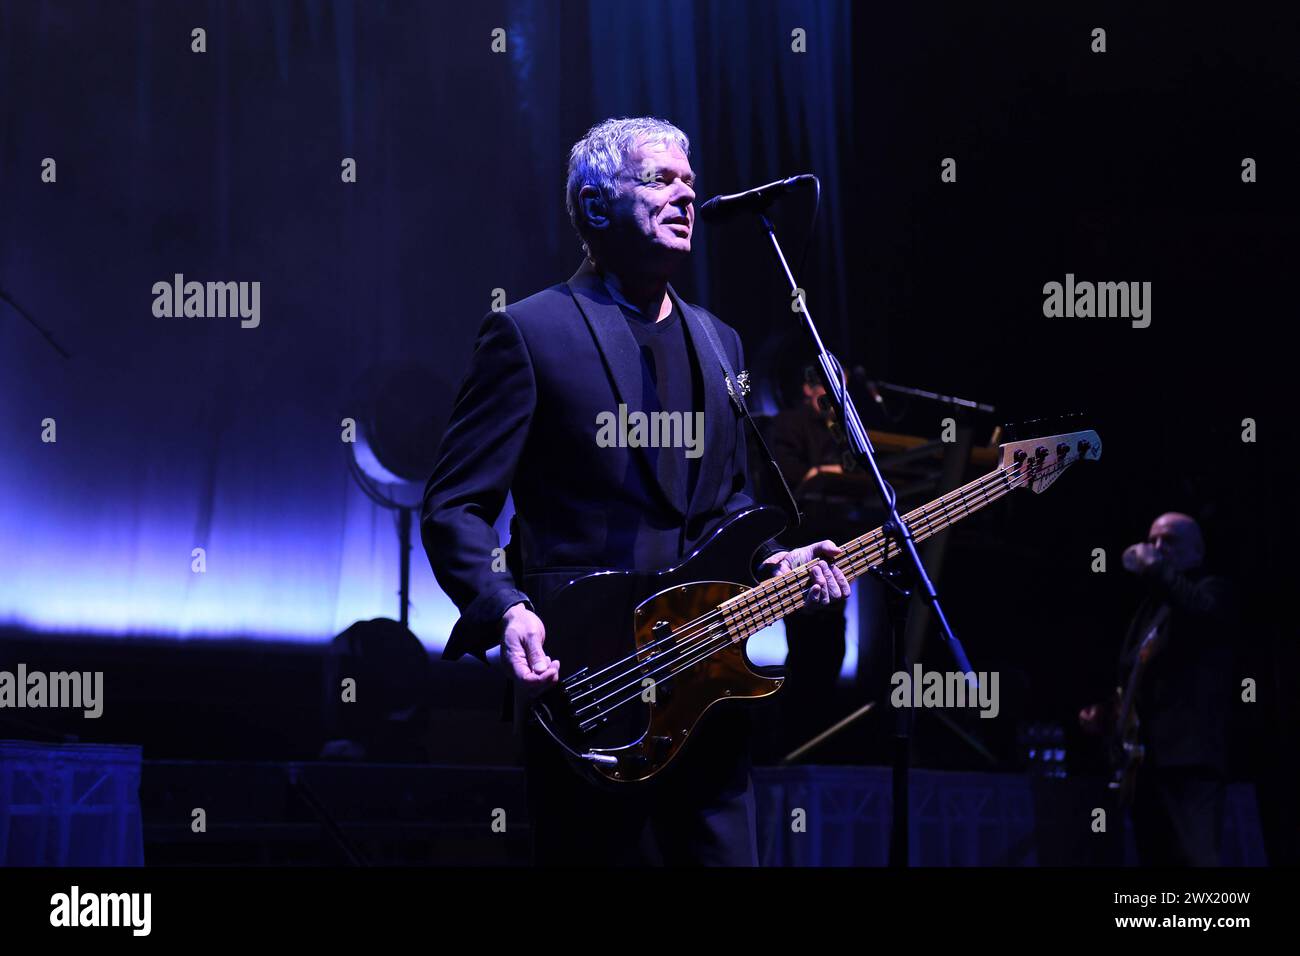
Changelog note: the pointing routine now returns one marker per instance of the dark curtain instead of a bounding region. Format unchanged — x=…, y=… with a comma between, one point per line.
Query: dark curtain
x=183, y=433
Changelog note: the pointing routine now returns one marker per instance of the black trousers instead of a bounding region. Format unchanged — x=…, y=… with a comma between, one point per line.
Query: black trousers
x=701, y=813
x=1178, y=816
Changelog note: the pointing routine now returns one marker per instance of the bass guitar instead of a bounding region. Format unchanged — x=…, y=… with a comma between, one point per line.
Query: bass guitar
x=658, y=649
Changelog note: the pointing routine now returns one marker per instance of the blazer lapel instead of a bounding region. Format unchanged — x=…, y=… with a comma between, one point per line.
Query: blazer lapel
x=719, y=414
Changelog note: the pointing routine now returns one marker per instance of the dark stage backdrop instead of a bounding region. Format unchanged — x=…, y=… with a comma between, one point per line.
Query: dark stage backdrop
x=183, y=433
x=1123, y=166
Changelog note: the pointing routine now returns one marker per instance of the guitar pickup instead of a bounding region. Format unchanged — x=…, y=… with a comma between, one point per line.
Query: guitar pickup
x=661, y=639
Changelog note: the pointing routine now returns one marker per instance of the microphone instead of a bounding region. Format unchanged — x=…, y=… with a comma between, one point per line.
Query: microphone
x=860, y=374
x=721, y=208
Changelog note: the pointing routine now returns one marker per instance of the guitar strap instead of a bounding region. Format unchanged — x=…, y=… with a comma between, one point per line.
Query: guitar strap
x=733, y=389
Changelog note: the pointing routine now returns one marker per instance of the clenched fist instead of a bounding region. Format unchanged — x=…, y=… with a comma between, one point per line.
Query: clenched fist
x=521, y=650
x=1140, y=558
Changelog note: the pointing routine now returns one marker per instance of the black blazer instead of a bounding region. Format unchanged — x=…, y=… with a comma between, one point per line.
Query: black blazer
x=525, y=422
x=1185, y=698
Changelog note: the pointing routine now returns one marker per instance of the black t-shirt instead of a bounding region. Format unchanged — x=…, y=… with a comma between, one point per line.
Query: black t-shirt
x=672, y=384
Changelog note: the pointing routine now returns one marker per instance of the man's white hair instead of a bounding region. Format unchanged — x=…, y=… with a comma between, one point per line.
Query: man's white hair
x=598, y=158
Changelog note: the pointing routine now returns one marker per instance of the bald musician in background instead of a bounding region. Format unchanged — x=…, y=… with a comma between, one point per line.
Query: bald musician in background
x=1183, y=698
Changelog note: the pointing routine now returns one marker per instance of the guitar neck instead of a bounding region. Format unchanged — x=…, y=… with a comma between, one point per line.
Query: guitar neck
x=1146, y=650
x=780, y=596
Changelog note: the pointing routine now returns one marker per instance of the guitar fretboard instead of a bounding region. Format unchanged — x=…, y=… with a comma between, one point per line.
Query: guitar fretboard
x=769, y=602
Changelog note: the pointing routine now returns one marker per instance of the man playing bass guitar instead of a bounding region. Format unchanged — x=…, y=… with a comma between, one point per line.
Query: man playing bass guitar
x=543, y=414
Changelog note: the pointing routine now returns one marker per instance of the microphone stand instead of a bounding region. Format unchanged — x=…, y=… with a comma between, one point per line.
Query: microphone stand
x=896, y=533
x=936, y=397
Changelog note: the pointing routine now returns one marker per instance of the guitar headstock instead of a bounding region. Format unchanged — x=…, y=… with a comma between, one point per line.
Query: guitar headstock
x=1038, y=462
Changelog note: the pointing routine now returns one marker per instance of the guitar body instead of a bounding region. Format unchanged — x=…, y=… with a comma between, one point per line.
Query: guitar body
x=622, y=709
x=644, y=655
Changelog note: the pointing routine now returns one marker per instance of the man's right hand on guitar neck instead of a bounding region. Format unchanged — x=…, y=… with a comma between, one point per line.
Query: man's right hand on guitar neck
x=521, y=649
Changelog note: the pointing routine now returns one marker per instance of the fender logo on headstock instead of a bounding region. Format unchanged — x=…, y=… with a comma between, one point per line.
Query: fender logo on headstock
x=1040, y=461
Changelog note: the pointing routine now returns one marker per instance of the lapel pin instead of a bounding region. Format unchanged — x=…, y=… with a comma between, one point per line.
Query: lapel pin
x=742, y=383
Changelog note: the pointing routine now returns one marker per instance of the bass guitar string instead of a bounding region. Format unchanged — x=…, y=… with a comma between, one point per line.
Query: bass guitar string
x=791, y=587
x=714, y=640
x=709, y=640
x=921, y=516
